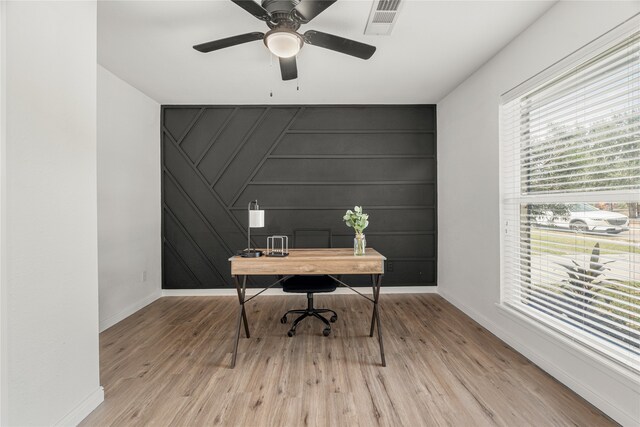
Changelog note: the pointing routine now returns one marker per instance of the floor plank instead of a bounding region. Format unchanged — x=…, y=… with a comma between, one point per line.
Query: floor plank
x=168, y=365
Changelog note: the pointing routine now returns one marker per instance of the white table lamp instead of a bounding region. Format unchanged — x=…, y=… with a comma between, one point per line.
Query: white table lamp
x=256, y=220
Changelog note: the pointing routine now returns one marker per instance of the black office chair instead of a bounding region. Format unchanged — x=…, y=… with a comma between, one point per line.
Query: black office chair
x=309, y=284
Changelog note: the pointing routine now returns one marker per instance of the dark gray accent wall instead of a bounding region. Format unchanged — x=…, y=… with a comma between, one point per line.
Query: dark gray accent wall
x=306, y=165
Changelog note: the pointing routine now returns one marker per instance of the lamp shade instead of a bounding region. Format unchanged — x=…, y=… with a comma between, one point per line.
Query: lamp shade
x=283, y=43
x=256, y=218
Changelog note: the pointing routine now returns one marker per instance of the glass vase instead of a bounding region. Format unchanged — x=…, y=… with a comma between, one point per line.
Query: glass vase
x=359, y=244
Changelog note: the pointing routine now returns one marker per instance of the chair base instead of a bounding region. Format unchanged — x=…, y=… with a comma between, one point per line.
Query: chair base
x=310, y=311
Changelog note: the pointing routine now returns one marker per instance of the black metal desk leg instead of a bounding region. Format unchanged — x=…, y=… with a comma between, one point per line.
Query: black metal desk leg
x=246, y=323
x=373, y=315
x=242, y=316
x=235, y=343
x=244, y=311
x=376, y=314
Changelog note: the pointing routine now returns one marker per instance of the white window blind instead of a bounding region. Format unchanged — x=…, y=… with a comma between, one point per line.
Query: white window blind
x=570, y=194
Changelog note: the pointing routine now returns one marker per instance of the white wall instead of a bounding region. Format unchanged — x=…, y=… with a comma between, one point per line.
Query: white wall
x=3, y=204
x=51, y=288
x=129, y=258
x=468, y=219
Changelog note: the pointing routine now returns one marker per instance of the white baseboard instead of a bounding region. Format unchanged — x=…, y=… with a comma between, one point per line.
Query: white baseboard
x=589, y=393
x=129, y=310
x=279, y=291
x=81, y=411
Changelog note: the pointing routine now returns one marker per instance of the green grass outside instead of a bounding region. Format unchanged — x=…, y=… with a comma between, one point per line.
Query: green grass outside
x=635, y=293
x=548, y=241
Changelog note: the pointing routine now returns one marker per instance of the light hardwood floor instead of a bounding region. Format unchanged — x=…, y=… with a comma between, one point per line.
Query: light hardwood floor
x=168, y=365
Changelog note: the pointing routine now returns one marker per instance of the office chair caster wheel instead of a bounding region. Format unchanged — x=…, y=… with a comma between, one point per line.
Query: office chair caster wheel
x=326, y=332
x=333, y=319
x=284, y=319
x=291, y=333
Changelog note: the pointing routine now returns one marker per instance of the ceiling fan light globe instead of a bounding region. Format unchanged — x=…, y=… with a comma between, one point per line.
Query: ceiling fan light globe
x=283, y=44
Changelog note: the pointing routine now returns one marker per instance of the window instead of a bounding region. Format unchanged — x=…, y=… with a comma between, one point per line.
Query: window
x=570, y=197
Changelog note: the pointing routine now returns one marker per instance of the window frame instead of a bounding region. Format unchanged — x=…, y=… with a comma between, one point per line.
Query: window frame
x=543, y=322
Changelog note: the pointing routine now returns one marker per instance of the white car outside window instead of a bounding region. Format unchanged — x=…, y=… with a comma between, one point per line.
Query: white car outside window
x=586, y=217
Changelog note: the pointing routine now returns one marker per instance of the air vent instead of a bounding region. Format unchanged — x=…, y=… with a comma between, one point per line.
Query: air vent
x=383, y=16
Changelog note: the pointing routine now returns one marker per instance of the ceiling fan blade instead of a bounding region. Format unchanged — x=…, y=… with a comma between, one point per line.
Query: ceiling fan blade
x=288, y=68
x=306, y=10
x=254, y=8
x=339, y=44
x=228, y=42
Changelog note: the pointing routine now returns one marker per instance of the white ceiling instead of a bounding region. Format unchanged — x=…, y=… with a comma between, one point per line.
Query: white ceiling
x=434, y=47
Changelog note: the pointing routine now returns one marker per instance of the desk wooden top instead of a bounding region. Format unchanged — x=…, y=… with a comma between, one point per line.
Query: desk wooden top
x=311, y=261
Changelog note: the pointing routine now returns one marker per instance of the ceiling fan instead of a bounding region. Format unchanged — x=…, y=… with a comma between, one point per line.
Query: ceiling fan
x=284, y=18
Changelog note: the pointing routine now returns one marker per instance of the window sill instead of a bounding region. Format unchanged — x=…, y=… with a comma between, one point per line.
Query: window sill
x=628, y=374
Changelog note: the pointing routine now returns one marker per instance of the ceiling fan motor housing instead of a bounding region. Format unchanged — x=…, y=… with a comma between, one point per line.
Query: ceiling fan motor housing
x=279, y=6
x=281, y=14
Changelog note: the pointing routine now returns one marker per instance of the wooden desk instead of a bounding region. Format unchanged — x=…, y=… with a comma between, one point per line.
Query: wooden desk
x=331, y=262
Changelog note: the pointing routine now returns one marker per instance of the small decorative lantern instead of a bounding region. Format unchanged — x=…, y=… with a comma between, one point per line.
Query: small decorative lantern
x=277, y=246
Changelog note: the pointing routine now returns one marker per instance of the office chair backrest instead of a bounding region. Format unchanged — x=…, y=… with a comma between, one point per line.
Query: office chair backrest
x=312, y=238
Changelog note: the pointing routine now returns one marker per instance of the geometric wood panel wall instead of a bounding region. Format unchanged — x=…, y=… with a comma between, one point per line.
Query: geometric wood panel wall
x=306, y=165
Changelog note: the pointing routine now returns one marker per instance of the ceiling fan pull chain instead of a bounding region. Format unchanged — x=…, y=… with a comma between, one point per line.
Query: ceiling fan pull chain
x=297, y=84
x=270, y=66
